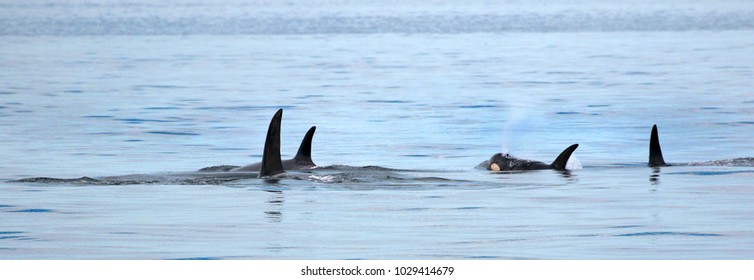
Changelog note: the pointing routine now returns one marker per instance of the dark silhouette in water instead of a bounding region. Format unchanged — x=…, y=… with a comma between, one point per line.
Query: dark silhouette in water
x=656, y=159
x=655, y=153
x=272, y=166
x=271, y=162
x=302, y=160
x=500, y=162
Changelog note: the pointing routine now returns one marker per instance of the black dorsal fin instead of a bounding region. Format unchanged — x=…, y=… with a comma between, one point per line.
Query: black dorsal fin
x=271, y=162
x=304, y=155
x=562, y=160
x=655, y=153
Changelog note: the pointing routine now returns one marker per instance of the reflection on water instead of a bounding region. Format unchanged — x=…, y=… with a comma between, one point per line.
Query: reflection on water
x=654, y=178
x=569, y=175
x=275, y=206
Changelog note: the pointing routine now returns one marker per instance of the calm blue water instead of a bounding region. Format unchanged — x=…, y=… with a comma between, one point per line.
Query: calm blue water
x=110, y=88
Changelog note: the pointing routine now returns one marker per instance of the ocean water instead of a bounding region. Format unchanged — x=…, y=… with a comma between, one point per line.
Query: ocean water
x=407, y=97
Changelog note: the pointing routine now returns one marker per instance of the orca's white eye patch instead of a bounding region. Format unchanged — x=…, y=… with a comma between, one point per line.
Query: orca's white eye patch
x=494, y=167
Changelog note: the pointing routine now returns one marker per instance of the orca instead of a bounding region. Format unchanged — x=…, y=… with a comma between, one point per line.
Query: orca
x=270, y=167
x=655, y=153
x=302, y=160
x=271, y=164
x=506, y=162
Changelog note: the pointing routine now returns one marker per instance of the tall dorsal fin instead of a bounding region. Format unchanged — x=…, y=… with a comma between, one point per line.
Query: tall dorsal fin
x=304, y=155
x=271, y=162
x=562, y=160
x=655, y=153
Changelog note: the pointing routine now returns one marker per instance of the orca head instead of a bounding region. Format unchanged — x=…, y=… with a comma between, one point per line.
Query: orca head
x=499, y=162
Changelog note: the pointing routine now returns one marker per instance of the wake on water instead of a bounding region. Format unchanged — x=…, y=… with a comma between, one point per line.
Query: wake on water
x=735, y=162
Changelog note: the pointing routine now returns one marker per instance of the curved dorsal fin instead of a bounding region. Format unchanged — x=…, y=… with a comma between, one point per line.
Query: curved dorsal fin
x=271, y=162
x=562, y=160
x=655, y=153
x=304, y=155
